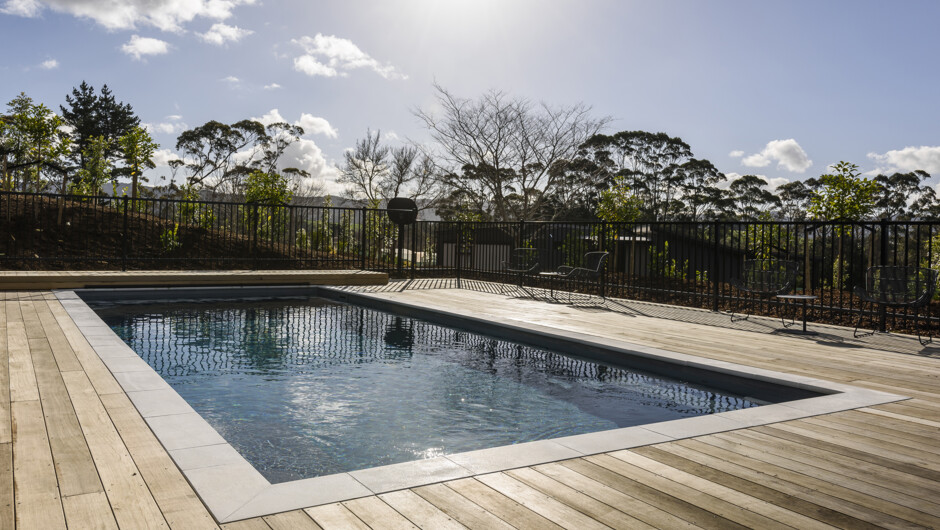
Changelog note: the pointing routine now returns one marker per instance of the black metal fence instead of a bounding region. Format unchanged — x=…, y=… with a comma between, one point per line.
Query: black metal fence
x=683, y=263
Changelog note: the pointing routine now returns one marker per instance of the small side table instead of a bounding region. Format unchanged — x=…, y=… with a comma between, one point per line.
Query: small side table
x=552, y=277
x=790, y=298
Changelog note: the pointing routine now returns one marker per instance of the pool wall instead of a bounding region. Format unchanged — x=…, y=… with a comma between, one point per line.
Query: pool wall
x=232, y=489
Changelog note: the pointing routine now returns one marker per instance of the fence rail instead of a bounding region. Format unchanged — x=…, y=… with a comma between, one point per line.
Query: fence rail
x=683, y=263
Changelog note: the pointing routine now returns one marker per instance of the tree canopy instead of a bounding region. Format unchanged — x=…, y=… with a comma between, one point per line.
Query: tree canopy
x=91, y=116
x=494, y=157
x=844, y=195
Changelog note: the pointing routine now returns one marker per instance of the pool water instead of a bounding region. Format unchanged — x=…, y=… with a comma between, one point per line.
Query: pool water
x=305, y=388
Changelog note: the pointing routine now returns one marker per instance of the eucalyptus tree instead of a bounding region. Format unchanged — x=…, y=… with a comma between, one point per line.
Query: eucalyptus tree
x=221, y=158
x=751, y=198
x=900, y=194
x=795, y=199
x=698, y=182
x=218, y=156
x=649, y=162
x=272, y=148
x=499, y=150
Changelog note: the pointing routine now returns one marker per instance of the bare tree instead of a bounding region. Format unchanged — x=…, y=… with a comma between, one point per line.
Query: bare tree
x=364, y=169
x=373, y=172
x=306, y=189
x=500, y=150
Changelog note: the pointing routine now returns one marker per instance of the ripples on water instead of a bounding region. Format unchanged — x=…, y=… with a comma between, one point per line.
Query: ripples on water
x=310, y=388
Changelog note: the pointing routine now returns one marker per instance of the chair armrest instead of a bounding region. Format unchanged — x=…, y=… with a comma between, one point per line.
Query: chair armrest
x=863, y=294
x=564, y=269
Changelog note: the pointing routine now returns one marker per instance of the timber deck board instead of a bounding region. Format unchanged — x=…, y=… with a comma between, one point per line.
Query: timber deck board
x=74, y=452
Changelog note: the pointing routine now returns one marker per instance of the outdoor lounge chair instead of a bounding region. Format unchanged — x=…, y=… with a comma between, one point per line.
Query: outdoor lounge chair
x=523, y=262
x=763, y=278
x=593, y=270
x=892, y=286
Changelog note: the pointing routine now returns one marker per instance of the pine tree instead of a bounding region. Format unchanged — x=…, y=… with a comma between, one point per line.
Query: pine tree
x=92, y=115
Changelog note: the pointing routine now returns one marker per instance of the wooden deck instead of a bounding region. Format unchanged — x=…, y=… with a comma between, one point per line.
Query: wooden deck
x=75, y=452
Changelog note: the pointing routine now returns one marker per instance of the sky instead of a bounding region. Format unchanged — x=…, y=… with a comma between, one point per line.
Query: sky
x=777, y=89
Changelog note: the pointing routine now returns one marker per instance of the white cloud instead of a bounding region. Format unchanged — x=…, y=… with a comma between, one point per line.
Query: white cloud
x=926, y=158
x=316, y=125
x=273, y=116
x=310, y=66
x=311, y=124
x=772, y=183
x=331, y=56
x=221, y=33
x=22, y=8
x=787, y=153
x=174, y=117
x=272, y=86
x=139, y=46
x=304, y=153
x=231, y=79
x=736, y=154
x=163, y=157
x=49, y=64
x=167, y=15
x=172, y=127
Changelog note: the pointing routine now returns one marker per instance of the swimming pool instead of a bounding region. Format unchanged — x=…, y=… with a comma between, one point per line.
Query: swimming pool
x=313, y=387
x=232, y=489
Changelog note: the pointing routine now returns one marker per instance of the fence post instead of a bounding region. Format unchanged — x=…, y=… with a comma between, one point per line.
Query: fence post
x=883, y=259
x=414, y=247
x=457, y=253
x=715, y=248
x=400, y=249
x=124, y=239
x=362, y=240
x=604, y=248
x=254, y=235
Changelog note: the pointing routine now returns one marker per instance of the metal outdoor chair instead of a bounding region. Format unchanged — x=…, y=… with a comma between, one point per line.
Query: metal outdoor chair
x=522, y=262
x=898, y=287
x=593, y=270
x=763, y=278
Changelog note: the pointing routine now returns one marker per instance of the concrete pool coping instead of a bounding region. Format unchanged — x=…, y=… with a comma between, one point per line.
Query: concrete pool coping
x=233, y=490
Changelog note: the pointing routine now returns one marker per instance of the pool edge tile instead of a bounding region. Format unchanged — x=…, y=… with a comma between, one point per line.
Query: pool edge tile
x=393, y=477
x=507, y=457
x=183, y=431
x=224, y=489
x=300, y=494
x=203, y=456
x=163, y=402
x=612, y=440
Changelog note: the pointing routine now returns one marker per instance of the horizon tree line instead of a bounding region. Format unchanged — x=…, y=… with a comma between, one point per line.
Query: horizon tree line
x=497, y=157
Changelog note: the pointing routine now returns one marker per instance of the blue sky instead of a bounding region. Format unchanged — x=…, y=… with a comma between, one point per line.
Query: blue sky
x=779, y=89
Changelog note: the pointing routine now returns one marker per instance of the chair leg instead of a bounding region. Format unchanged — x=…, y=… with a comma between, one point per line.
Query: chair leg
x=920, y=338
x=783, y=310
x=858, y=322
x=746, y=314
